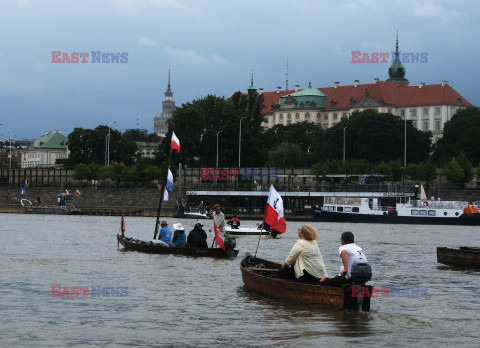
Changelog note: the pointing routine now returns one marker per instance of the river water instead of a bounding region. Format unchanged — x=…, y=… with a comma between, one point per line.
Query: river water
x=183, y=301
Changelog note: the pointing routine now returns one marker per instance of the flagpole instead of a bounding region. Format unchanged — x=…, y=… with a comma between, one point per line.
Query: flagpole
x=168, y=140
x=261, y=230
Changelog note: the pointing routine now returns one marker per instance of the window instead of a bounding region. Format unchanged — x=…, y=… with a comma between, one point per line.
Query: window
x=281, y=116
x=307, y=115
x=325, y=116
x=334, y=115
x=422, y=212
x=413, y=112
x=425, y=125
x=348, y=209
x=425, y=111
x=432, y=213
x=289, y=116
x=437, y=125
x=356, y=209
x=414, y=124
x=297, y=116
x=437, y=111
x=318, y=116
x=344, y=115
x=402, y=112
x=340, y=209
x=414, y=212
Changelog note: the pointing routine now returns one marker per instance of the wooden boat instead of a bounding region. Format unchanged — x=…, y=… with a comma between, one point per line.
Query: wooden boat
x=262, y=276
x=67, y=209
x=466, y=257
x=152, y=248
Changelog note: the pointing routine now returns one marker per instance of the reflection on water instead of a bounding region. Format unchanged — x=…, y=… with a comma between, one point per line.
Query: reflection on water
x=185, y=301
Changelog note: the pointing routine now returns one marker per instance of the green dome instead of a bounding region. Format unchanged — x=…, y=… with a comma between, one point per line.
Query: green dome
x=307, y=98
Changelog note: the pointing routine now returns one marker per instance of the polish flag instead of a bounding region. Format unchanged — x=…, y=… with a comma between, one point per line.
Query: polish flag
x=175, y=142
x=218, y=239
x=274, y=211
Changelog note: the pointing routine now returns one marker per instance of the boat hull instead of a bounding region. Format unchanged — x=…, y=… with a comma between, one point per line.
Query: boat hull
x=245, y=231
x=467, y=220
x=147, y=247
x=464, y=257
x=293, y=291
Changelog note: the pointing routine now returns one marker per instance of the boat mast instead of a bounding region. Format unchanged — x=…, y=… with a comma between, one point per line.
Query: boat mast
x=168, y=155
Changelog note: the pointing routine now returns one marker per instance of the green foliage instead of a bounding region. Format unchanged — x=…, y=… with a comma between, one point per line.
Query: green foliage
x=356, y=166
x=140, y=135
x=466, y=165
x=87, y=146
x=453, y=172
x=152, y=173
x=112, y=172
x=425, y=172
x=129, y=174
x=287, y=155
x=391, y=169
x=86, y=172
x=460, y=133
x=375, y=137
x=327, y=167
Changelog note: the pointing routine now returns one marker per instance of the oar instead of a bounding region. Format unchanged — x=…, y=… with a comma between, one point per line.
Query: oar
x=260, y=236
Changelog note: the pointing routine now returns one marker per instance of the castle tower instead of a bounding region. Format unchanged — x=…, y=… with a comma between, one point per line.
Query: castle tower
x=397, y=70
x=168, y=106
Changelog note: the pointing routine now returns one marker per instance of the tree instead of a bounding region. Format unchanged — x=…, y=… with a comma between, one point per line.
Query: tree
x=425, y=172
x=375, y=137
x=287, y=155
x=453, y=172
x=466, y=166
x=140, y=135
x=460, y=133
x=391, y=169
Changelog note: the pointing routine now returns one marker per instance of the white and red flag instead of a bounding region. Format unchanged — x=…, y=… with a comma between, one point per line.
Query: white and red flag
x=274, y=211
x=218, y=238
x=175, y=142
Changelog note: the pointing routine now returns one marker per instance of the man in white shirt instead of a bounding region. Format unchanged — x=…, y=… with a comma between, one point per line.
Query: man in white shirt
x=219, y=219
x=349, y=252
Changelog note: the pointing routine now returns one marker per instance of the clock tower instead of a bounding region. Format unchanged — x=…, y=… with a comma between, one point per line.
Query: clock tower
x=168, y=106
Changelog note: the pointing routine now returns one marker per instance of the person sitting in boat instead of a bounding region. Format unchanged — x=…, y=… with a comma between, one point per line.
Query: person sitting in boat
x=234, y=222
x=179, y=236
x=305, y=261
x=165, y=235
x=219, y=219
x=349, y=252
x=197, y=238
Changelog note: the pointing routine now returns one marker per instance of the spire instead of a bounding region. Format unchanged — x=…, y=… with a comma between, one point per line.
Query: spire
x=397, y=70
x=252, y=87
x=168, y=89
x=309, y=84
x=286, y=82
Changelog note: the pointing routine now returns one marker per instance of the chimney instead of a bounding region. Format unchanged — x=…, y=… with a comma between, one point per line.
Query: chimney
x=421, y=84
x=337, y=84
x=297, y=88
x=260, y=91
x=356, y=83
x=375, y=80
x=444, y=83
x=279, y=89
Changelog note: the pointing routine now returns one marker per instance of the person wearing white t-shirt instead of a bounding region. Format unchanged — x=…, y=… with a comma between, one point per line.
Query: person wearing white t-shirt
x=349, y=252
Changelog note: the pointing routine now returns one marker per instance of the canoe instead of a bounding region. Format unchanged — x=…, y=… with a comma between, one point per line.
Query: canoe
x=151, y=248
x=467, y=257
x=262, y=276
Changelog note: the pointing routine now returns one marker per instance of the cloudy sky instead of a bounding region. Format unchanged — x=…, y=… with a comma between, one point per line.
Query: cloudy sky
x=211, y=47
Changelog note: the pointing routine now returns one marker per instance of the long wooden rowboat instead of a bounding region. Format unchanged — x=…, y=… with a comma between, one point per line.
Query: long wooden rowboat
x=262, y=276
x=467, y=257
x=151, y=248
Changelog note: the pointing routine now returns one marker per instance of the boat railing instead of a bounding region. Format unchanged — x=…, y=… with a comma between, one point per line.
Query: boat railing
x=437, y=204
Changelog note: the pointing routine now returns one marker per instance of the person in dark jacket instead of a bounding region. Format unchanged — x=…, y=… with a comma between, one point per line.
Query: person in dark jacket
x=179, y=236
x=197, y=237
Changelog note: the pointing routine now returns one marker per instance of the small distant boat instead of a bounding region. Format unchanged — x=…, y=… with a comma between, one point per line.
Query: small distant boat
x=196, y=214
x=262, y=277
x=153, y=248
x=467, y=257
x=32, y=208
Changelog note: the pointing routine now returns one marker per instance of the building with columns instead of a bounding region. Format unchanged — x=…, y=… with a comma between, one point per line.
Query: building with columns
x=168, y=107
x=427, y=106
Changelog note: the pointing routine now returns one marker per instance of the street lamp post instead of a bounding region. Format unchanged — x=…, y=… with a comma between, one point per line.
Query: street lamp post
x=240, y=140
x=344, y=128
x=108, y=143
x=217, y=148
x=10, y=155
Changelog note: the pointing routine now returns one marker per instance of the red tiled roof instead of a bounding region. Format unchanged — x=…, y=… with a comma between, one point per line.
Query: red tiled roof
x=391, y=93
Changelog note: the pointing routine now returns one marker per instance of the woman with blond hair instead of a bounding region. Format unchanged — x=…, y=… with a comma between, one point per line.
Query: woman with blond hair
x=305, y=261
